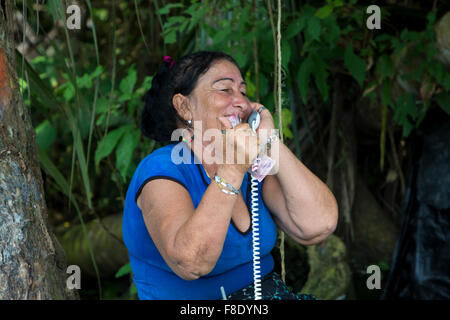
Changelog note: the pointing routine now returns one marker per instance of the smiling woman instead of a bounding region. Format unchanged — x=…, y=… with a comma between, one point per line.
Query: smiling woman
x=187, y=226
x=159, y=117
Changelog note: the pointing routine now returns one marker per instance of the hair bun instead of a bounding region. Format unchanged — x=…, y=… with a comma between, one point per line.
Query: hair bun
x=154, y=120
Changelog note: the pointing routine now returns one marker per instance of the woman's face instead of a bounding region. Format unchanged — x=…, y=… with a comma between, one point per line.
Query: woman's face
x=220, y=92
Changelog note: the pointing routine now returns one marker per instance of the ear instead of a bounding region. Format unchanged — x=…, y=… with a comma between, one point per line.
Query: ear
x=181, y=105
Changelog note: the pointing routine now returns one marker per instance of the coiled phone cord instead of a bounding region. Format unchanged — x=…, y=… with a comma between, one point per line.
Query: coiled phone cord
x=254, y=120
x=255, y=240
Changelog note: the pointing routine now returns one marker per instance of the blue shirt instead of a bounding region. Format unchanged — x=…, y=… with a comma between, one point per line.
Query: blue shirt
x=234, y=269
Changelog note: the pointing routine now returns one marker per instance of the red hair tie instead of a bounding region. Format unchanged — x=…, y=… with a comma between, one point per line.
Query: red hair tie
x=169, y=59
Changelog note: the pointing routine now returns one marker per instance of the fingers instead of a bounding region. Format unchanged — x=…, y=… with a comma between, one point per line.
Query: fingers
x=225, y=122
x=241, y=144
x=262, y=109
x=242, y=127
x=258, y=107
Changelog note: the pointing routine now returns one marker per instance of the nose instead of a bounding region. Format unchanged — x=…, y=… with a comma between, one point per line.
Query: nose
x=241, y=102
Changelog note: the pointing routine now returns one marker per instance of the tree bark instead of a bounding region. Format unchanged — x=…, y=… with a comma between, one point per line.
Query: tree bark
x=32, y=263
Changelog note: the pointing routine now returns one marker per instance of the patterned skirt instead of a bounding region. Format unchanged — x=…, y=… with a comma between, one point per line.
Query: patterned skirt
x=273, y=288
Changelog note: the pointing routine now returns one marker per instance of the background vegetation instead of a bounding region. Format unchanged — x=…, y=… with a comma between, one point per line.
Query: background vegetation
x=351, y=99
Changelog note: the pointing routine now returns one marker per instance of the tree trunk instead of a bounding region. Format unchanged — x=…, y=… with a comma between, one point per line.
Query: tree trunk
x=32, y=263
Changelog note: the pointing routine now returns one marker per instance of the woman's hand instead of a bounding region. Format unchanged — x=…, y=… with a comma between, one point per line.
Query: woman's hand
x=240, y=146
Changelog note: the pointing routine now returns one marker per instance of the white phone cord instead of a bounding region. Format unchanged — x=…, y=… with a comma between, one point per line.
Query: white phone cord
x=255, y=238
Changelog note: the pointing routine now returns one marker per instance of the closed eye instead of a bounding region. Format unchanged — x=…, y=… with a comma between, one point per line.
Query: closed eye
x=227, y=90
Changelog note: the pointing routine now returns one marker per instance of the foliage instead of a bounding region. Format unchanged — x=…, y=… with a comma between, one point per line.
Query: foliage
x=87, y=126
x=126, y=270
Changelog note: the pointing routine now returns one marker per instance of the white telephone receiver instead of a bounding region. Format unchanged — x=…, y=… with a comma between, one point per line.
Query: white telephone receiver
x=254, y=119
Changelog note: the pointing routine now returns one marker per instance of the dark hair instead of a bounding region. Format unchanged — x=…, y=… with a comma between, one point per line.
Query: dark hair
x=159, y=115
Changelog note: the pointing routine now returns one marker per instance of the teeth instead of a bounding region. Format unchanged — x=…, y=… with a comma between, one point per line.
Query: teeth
x=235, y=120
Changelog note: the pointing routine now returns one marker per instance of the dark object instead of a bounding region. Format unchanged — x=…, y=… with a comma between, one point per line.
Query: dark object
x=421, y=261
x=273, y=288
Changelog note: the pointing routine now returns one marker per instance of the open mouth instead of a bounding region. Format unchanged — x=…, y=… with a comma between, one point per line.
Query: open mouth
x=234, y=119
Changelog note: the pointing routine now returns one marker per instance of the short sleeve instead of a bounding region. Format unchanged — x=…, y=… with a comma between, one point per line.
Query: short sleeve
x=158, y=166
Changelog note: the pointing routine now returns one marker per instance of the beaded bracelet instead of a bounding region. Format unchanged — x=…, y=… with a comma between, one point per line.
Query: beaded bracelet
x=224, y=186
x=266, y=147
x=273, y=137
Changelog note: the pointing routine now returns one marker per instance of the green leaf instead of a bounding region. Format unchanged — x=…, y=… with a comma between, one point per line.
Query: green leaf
x=174, y=22
x=221, y=35
x=69, y=90
x=102, y=106
x=54, y=172
x=124, y=151
x=446, y=82
x=240, y=58
x=313, y=28
x=194, y=10
x=295, y=27
x=384, y=266
x=101, y=14
x=437, y=70
x=385, y=67
x=196, y=18
x=166, y=9
x=78, y=145
x=147, y=83
x=431, y=17
x=127, y=83
x=331, y=32
x=285, y=54
x=108, y=143
x=37, y=86
x=307, y=12
x=133, y=290
x=355, y=65
x=85, y=81
x=324, y=12
x=443, y=100
x=305, y=71
x=170, y=36
x=320, y=75
x=56, y=9
x=406, y=112
x=251, y=88
x=98, y=71
x=125, y=269
x=45, y=135
x=286, y=117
